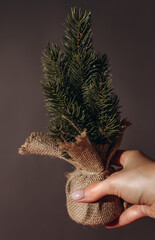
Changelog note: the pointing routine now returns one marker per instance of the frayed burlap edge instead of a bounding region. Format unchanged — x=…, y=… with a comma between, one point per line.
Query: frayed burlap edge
x=40, y=143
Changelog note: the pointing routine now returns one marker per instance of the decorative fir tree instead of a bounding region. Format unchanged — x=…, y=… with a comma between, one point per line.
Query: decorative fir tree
x=85, y=125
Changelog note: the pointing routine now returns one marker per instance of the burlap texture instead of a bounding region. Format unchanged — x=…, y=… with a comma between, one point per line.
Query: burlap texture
x=101, y=212
x=90, y=169
x=91, y=165
x=40, y=143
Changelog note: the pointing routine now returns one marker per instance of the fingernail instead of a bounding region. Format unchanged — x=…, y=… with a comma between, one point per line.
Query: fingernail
x=77, y=195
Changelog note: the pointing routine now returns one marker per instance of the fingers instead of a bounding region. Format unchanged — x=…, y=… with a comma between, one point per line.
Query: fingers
x=97, y=190
x=117, y=159
x=130, y=215
x=129, y=157
x=94, y=191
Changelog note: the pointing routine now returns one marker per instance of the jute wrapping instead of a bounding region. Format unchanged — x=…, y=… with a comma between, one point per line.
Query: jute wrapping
x=91, y=164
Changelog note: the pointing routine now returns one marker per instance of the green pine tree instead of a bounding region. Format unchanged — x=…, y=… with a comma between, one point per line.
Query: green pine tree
x=77, y=90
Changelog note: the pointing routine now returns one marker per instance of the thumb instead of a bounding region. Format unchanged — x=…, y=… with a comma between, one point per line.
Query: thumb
x=130, y=215
x=95, y=191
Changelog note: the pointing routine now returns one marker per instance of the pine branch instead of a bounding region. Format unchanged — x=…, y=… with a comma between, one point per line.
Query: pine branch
x=78, y=85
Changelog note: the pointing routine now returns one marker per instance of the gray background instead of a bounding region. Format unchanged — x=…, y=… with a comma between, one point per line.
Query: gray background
x=32, y=196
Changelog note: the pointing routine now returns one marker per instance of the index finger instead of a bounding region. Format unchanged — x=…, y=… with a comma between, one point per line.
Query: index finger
x=118, y=158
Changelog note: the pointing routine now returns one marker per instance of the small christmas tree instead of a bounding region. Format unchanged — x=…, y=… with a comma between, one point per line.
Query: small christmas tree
x=85, y=125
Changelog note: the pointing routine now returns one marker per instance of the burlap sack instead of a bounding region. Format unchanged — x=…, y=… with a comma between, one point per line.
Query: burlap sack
x=91, y=165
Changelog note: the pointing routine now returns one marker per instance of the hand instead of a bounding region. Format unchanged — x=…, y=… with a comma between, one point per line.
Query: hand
x=135, y=183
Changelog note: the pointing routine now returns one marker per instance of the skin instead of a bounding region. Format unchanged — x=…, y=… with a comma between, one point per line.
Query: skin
x=135, y=183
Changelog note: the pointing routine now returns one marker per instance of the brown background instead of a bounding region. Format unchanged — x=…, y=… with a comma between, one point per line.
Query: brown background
x=32, y=197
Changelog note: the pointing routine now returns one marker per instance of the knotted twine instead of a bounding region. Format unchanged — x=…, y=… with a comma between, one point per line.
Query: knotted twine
x=91, y=164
